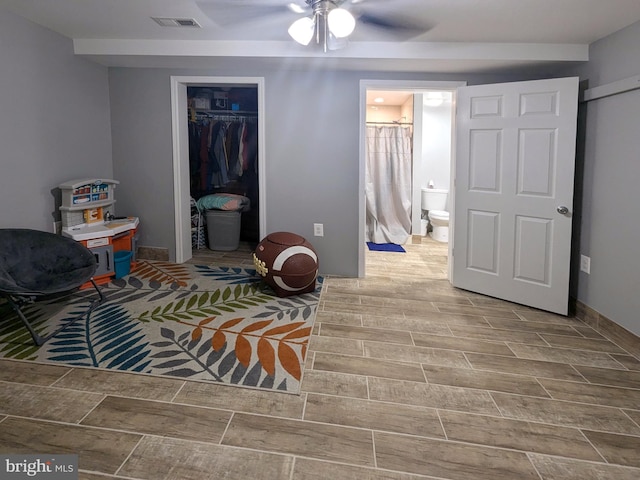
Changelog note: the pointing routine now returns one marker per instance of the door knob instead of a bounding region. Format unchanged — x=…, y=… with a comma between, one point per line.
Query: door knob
x=562, y=210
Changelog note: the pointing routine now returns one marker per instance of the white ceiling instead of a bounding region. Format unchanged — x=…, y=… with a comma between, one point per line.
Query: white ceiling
x=462, y=35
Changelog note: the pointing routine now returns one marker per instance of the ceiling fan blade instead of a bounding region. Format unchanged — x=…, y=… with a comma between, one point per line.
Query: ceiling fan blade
x=400, y=28
x=232, y=12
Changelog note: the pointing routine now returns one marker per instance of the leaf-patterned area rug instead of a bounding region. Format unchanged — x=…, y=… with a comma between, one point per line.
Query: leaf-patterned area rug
x=216, y=324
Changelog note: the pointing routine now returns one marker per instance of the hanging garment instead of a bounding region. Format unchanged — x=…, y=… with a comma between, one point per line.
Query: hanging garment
x=233, y=147
x=222, y=152
x=241, y=149
x=215, y=177
x=388, y=184
x=219, y=152
x=250, y=150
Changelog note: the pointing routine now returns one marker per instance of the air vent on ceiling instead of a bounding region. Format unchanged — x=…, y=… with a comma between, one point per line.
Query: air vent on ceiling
x=176, y=22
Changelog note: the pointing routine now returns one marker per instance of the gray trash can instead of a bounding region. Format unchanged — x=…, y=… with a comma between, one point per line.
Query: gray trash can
x=223, y=229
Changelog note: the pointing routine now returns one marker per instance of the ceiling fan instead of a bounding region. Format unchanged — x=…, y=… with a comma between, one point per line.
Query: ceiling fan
x=328, y=23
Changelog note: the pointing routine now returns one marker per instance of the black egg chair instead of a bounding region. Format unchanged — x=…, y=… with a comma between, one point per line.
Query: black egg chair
x=36, y=264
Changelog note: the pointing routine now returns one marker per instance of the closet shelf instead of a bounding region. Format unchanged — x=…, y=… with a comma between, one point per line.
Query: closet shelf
x=226, y=112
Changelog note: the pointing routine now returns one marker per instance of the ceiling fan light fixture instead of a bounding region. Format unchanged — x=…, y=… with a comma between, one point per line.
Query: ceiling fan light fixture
x=302, y=30
x=341, y=22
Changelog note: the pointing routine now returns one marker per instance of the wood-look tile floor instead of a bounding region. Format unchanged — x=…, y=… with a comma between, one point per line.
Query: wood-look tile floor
x=406, y=378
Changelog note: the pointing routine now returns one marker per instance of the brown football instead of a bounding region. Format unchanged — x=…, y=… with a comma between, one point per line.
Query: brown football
x=287, y=262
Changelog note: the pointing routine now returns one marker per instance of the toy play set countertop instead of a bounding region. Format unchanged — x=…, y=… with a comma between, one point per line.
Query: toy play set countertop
x=87, y=231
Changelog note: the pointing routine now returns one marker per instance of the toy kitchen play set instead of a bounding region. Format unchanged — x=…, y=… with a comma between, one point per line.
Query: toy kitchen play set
x=87, y=217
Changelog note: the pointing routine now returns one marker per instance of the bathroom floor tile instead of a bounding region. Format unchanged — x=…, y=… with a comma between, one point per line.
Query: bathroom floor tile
x=410, y=324
x=346, y=346
x=226, y=397
x=533, y=315
x=365, y=333
x=634, y=415
x=591, y=344
x=47, y=403
x=618, y=449
x=564, y=355
x=462, y=344
x=333, y=383
x=307, y=469
x=450, y=460
x=594, y=394
x=97, y=449
x=555, y=468
x=30, y=372
x=559, y=412
x=473, y=310
x=484, y=380
x=294, y=437
x=608, y=376
x=536, y=327
x=407, y=353
x=368, y=366
x=487, y=332
x=432, y=396
x=158, y=458
x=96, y=476
x=373, y=415
x=354, y=320
x=627, y=361
x=517, y=435
x=160, y=418
x=521, y=366
x=125, y=384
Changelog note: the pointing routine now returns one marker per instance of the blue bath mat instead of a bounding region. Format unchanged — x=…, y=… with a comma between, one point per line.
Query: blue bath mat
x=385, y=247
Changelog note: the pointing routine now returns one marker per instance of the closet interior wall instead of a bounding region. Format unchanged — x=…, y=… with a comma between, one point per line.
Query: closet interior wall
x=223, y=147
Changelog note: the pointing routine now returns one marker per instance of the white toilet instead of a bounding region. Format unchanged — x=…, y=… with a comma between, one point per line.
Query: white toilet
x=435, y=201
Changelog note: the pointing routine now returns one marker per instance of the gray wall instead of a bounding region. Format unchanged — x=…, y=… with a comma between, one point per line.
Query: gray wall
x=609, y=161
x=312, y=148
x=142, y=152
x=54, y=121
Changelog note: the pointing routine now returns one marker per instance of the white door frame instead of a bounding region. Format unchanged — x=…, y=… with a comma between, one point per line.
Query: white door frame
x=180, y=137
x=416, y=86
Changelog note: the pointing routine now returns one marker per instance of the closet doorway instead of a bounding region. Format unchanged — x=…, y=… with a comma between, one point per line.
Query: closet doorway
x=238, y=104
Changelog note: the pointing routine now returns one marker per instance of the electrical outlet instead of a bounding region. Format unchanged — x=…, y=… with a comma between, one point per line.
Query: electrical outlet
x=318, y=230
x=585, y=264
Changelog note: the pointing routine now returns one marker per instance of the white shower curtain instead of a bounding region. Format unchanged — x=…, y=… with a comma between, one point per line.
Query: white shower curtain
x=388, y=184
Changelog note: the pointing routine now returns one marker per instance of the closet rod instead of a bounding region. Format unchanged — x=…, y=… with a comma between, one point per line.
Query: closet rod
x=389, y=123
x=227, y=117
x=225, y=112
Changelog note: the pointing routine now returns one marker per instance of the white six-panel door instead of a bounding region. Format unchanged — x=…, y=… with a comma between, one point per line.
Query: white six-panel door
x=515, y=156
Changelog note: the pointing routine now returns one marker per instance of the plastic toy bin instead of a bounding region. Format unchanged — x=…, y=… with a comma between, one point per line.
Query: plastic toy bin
x=223, y=229
x=122, y=260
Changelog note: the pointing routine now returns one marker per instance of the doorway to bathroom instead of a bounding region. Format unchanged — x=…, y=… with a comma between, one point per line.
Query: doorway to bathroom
x=510, y=208
x=424, y=111
x=389, y=160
